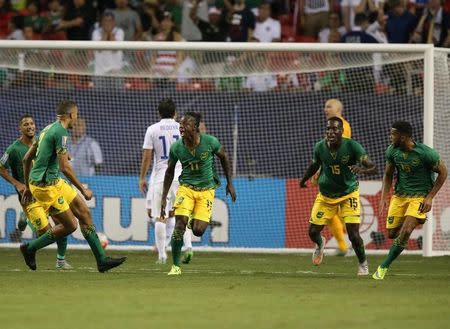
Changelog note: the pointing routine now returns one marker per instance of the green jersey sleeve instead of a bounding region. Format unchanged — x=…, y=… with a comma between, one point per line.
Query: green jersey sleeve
x=173, y=153
x=431, y=158
x=360, y=152
x=61, y=141
x=4, y=160
x=316, y=154
x=215, y=145
x=389, y=155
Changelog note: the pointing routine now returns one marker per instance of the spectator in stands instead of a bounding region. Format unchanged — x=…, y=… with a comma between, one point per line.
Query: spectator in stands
x=358, y=34
x=6, y=14
x=267, y=29
x=229, y=81
x=15, y=26
x=335, y=30
x=78, y=20
x=128, y=20
x=108, y=61
x=150, y=18
x=240, y=20
x=28, y=32
x=214, y=29
x=401, y=23
x=174, y=8
x=189, y=29
x=263, y=80
x=54, y=17
x=377, y=28
x=313, y=16
x=34, y=19
x=85, y=152
x=350, y=8
x=433, y=26
x=361, y=78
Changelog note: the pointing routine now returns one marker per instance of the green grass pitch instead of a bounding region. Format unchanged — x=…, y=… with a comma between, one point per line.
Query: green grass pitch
x=220, y=290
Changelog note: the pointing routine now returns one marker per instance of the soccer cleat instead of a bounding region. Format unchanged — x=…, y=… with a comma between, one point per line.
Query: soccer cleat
x=317, y=255
x=380, y=273
x=110, y=263
x=188, y=256
x=28, y=256
x=175, y=270
x=363, y=269
x=61, y=264
x=22, y=223
x=161, y=261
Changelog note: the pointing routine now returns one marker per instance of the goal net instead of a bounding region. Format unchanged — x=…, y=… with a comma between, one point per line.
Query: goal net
x=265, y=103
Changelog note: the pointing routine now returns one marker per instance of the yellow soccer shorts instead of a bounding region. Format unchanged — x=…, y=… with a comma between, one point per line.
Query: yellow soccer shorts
x=347, y=207
x=197, y=204
x=55, y=198
x=36, y=215
x=401, y=207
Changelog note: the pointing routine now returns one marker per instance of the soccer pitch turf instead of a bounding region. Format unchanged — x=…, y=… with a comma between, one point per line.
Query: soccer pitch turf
x=223, y=290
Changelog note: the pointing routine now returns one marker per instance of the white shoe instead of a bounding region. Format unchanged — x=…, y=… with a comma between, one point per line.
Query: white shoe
x=61, y=264
x=161, y=261
x=317, y=255
x=363, y=269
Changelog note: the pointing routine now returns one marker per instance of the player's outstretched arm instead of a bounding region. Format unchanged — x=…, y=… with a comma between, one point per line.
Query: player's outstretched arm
x=225, y=162
x=20, y=187
x=367, y=167
x=147, y=156
x=26, y=162
x=168, y=179
x=388, y=176
x=67, y=169
x=441, y=170
x=312, y=169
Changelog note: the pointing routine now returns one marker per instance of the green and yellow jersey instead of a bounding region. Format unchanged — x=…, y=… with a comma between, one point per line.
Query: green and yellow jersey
x=12, y=159
x=336, y=179
x=198, y=169
x=51, y=141
x=414, y=169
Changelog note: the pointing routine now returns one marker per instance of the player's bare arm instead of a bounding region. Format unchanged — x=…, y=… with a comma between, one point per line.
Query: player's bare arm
x=20, y=187
x=168, y=179
x=388, y=176
x=367, y=167
x=147, y=157
x=27, y=160
x=67, y=170
x=225, y=162
x=312, y=169
x=441, y=170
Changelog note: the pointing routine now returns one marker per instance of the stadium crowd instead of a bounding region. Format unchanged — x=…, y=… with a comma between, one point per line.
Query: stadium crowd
x=349, y=21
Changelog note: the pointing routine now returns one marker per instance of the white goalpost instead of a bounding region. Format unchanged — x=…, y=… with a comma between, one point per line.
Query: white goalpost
x=265, y=104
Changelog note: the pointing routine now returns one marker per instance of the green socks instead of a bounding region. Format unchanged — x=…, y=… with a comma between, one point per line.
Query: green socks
x=62, y=246
x=394, y=252
x=177, y=244
x=41, y=242
x=92, y=239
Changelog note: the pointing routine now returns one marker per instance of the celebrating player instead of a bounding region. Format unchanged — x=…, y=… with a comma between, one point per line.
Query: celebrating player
x=340, y=160
x=198, y=181
x=44, y=184
x=334, y=108
x=158, y=140
x=415, y=188
x=12, y=159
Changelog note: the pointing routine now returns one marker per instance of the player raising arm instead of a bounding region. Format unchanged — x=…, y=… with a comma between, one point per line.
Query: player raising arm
x=198, y=181
x=415, y=188
x=340, y=160
x=43, y=183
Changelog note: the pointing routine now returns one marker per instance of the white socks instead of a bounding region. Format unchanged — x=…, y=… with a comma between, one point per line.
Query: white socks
x=160, y=239
x=187, y=238
x=170, y=225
